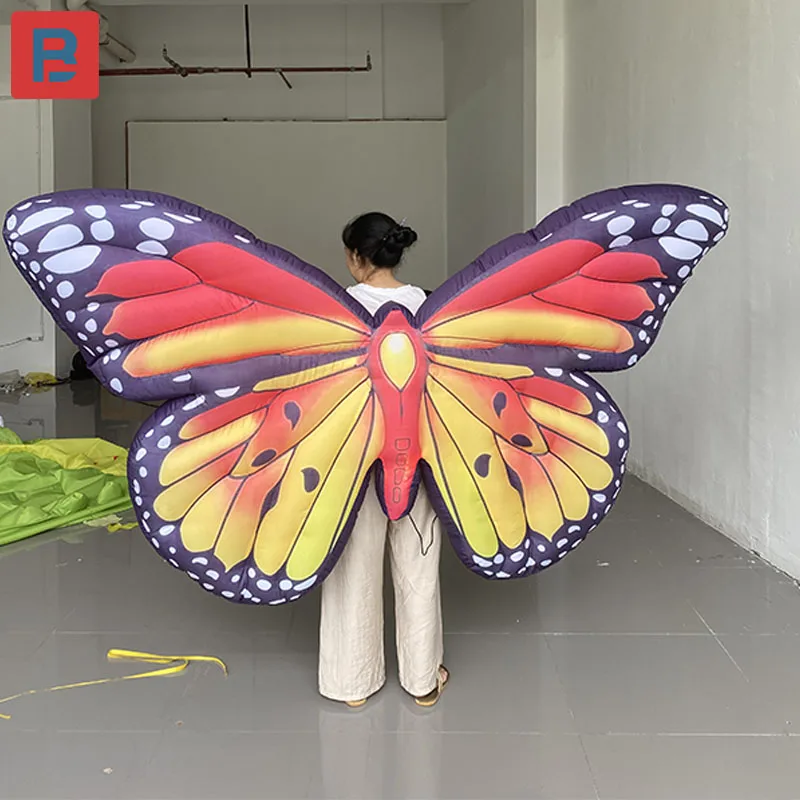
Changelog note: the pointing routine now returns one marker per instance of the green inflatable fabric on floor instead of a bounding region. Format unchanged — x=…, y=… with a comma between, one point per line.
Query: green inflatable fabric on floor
x=53, y=483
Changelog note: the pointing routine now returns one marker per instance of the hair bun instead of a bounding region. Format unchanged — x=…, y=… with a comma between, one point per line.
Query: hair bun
x=400, y=238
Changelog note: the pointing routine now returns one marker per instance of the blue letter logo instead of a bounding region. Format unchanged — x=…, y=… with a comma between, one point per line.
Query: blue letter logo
x=64, y=54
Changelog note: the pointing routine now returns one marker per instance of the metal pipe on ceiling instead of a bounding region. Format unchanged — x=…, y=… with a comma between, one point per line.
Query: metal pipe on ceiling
x=183, y=72
x=174, y=68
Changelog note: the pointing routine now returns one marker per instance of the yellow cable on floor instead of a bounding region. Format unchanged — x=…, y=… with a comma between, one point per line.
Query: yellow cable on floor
x=175, y=664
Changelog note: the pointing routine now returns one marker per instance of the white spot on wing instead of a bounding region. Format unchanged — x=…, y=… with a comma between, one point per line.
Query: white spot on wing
x=65, y=289
x=693, y=229
x=155, y=228
x=60, y=238
x=621, y=241
x=116, y=385
x=11, y=222
x=307, y=584
x=706, y=212
x=661, y=225
x=46, y=217
x=227, y=392
x=178, y=218
x=680, y=248
x=620, y=225
x=102, y=230
x=152, y=248
x=71, y=261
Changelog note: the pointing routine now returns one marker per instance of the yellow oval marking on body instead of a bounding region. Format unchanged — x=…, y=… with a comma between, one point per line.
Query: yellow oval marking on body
x=398, y=359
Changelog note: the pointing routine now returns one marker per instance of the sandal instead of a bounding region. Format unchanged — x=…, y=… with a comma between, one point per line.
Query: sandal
x=431, y=699
x=356, y=703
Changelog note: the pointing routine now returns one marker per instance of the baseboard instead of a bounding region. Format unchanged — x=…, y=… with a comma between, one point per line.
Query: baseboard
x=788, y=564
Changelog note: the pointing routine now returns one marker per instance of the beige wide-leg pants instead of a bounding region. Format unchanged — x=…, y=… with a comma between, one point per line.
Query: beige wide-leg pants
x=352, y=664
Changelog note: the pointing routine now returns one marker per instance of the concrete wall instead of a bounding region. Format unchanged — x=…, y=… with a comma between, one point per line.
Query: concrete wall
x=406, y=83
x=485, y=89
x=707, y=93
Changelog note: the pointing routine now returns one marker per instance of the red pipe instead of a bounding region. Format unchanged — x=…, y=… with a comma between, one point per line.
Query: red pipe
x=185, y=71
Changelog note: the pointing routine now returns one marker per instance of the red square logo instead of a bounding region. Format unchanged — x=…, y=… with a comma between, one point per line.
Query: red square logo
x=55, y=55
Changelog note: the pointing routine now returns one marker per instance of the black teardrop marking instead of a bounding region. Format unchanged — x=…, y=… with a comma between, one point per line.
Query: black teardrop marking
x=482, y=465
x=500, y=402
x=514, y=479
x=271, y=500
x=292, y=412
x=264, y=458
x=521, y=440
x=310, y=479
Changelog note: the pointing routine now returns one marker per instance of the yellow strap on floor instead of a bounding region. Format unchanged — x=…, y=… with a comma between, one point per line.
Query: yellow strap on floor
x=174, y=665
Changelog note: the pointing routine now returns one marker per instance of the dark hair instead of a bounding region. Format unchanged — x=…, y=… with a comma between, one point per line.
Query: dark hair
x=379, y=239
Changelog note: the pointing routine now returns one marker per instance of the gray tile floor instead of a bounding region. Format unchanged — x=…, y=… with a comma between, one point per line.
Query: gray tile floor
x=659, y=661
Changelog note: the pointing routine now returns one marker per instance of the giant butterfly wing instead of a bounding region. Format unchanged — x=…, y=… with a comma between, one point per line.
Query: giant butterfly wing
x=250, y=476
x=524, y=452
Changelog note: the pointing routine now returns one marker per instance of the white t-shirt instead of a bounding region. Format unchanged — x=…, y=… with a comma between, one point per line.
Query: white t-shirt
x=373, y=297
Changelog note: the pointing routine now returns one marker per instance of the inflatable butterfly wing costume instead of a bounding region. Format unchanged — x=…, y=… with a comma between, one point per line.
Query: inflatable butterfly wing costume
x=283, y=395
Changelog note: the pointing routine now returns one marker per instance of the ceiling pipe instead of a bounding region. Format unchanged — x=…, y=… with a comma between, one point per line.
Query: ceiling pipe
x=174, y=68
x=184, y=72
